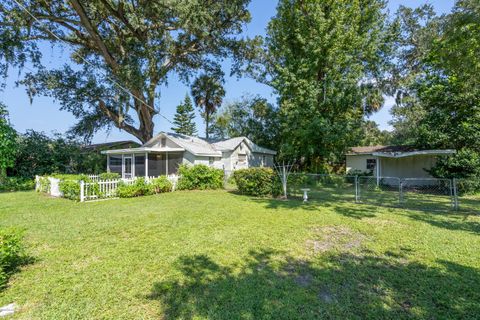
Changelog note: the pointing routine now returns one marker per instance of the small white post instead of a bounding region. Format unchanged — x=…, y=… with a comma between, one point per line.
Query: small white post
x=37, y=187
x=82, y=191
x=108, y=163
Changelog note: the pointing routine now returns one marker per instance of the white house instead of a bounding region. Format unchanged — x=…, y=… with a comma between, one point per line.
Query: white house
x=393, y=161
x=163, y=154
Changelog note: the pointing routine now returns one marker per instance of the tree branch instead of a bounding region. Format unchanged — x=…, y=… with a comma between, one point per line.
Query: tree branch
x=92, y=30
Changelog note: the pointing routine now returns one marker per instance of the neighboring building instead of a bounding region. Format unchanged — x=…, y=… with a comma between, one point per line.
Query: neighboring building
x=393, y=161
x=111, y=145
x=163, y=154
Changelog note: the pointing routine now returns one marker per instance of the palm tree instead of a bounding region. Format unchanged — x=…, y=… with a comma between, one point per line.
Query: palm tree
x=208, y=93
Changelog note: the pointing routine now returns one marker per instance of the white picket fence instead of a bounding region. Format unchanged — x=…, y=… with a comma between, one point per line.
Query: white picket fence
x=105, y=189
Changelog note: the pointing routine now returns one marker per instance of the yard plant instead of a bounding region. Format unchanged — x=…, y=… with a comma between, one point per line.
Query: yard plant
x=12, y=253
x=255, y=181
x=200, y=177
x=220, y=255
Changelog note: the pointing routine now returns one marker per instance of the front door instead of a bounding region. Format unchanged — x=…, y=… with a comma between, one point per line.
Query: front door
x=127, y=168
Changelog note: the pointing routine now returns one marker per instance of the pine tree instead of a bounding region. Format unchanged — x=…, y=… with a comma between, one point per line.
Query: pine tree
x=184, y=118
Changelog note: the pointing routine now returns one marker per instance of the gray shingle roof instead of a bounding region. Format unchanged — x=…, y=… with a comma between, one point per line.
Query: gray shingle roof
x=199, y=146
x=232, y=144
x=195, y=145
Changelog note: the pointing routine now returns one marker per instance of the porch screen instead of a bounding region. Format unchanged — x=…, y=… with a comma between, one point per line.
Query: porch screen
x=115, y=164
x=174, y=161
x=139, y=165
x=156, y=164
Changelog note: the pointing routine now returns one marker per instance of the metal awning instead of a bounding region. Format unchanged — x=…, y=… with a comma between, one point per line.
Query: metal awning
x=413, y=153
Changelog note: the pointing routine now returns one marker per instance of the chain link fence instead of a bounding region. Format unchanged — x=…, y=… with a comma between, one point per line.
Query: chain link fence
x=321, y=187
x=411, y=193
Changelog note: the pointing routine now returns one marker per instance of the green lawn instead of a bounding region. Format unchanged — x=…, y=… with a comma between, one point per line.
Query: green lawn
x=218, y=255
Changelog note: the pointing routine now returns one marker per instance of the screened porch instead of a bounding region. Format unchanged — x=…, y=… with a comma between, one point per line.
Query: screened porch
x=145, y=164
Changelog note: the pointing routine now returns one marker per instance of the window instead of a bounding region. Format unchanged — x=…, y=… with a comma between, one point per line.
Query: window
x=371, y=164
x=242, y=158
x=264, y=161
x=211, y=160
x=163, y=142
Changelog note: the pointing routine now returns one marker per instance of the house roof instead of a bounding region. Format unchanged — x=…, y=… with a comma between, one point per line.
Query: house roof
x=396, y=151
x=108, y=145
x=195, y=145
x=233, y=143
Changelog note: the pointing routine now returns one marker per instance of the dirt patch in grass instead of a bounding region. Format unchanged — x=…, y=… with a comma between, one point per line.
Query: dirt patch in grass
x=334, y=238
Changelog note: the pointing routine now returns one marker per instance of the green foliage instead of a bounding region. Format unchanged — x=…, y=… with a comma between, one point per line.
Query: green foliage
x=10, y=184
x=184, y=119
x=208, y=93
x=255, y=181
x=8, y=145
x=373, y=136
x=328, y=61
x=43, y=184
x=12, y=253
x=139, y=44
x=199, y=177
x=252, y=117
x=70, y=189
x=39, y=154
x=162, y=184
x=138, y=188
x=109, y=176
x=72, y=177
x=440, y=107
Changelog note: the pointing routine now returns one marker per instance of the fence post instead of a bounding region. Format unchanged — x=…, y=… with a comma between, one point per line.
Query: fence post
x=455, y=194
x=82, y=191
x=400, y=192
x=36, y=183
x=356, y=189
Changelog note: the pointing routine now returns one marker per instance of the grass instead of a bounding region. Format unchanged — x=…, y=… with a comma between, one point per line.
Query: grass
x=218, y=255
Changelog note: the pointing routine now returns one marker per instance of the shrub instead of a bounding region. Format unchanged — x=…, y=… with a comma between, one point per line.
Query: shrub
x=138, y=188
x=17, y=184
x=73, y=177
x=256, y=181
x=199, y=177
x=162, y=184
x=12, y=253
x=43, y=184
x=109, y=176
x=70, y=189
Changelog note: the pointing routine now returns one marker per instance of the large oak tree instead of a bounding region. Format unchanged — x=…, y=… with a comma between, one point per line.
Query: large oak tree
x=136, y=43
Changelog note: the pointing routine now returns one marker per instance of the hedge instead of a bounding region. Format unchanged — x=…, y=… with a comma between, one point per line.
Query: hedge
x=256, y=181
x=199, y=177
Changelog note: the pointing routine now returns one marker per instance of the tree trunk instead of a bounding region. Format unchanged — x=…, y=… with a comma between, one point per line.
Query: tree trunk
x=207, y=120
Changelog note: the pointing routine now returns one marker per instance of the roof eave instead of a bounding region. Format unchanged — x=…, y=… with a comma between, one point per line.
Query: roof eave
x=142, y=149
x=414, y=153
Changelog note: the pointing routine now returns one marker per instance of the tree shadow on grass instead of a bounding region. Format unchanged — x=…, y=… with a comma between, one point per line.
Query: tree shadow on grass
x=448, y=221
x=273, y=285
x=14, y=266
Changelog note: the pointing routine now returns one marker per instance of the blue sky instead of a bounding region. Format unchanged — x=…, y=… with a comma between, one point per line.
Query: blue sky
x=44, y=115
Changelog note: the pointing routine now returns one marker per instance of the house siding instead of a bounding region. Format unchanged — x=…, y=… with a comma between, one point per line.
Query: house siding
x=405, y=167
x=358, y=162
